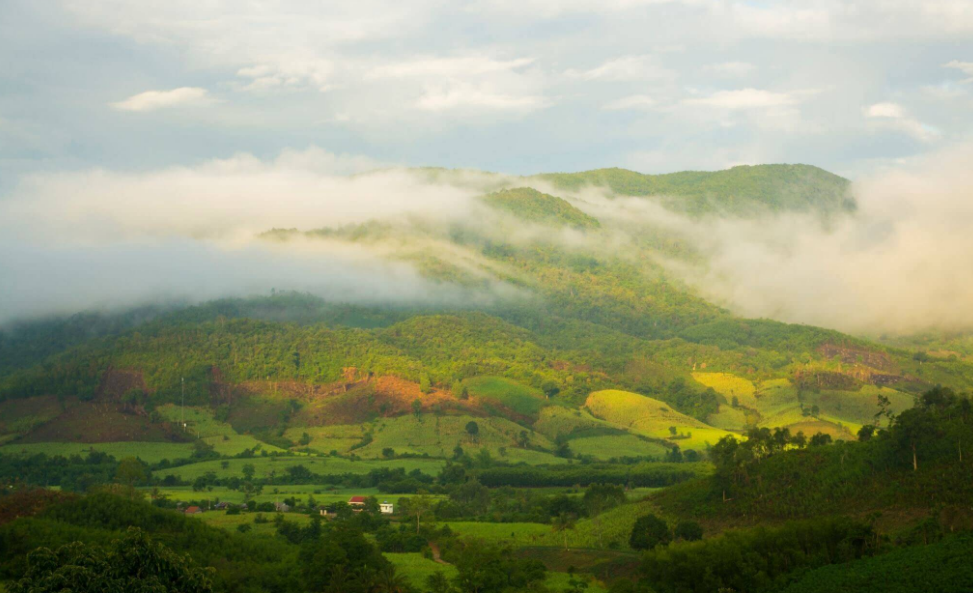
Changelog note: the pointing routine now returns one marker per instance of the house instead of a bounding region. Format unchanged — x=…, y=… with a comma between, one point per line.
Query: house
x=386, y=508
x=357, y=503
x=221, y=506
x=281, y=507
x=193, y=510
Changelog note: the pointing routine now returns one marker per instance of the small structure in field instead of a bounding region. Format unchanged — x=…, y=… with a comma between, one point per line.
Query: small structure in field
x=282, y=507
x=357, y=503
x=386, y=508
x=193, y=510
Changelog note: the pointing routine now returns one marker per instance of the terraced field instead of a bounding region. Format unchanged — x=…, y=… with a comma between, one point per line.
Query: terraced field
x=617, y=446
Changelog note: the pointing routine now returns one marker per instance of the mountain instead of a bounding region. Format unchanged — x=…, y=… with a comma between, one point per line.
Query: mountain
x=591, y=313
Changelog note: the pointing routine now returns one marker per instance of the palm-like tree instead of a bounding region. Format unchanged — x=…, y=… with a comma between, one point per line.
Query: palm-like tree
x=390, y=581
x=561, y=524
x=438, y=583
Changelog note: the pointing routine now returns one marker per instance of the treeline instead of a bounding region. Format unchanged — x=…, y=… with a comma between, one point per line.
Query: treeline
x=644, y=475
x=918, y=461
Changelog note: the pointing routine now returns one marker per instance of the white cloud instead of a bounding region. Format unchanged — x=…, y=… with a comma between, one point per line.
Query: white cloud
x=468, y=96
x=633, y=102
x=731, y=69
x=894, y=116
x=288, y=73
x=964, y=67
x=744, y=99
x=625, y=68
x=436, y=67
x=152, y=100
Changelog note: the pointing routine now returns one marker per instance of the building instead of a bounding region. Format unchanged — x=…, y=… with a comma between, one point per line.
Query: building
x=386, y=508
x=357, y=503
x=282, y=507
x=193, y=510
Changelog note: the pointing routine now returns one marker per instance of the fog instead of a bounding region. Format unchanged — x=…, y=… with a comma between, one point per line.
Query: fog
x=100, y=239
x=900, y=264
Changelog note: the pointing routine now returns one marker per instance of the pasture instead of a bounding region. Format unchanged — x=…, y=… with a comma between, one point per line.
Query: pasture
x=266, y=467
x=729, y=386
x=653, y=418
x=149, y=452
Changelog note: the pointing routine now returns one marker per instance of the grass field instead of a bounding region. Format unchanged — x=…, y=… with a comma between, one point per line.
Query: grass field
x=200, y=423
x=509, y=394
x=325, y=439
x=516, y=534
x=606, y=531
x=322, y=493
x=623, y=445
x=223, y=521
x=437, y=436
x=555, y=420
x=729, y=386
x=728, y=418
x=416, y=568
x=267, y=466
x=652, y=417
x=560, y=581
x=147, y=452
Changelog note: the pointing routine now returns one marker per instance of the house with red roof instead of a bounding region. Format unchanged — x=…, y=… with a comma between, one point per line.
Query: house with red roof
x=357, y=503
x=193, y=510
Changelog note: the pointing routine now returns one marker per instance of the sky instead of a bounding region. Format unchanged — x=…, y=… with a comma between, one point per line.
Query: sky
x=516, y=86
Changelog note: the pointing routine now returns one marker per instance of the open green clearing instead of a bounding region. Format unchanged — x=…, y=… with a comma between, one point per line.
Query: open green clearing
x=147, y=452
x=266, y=467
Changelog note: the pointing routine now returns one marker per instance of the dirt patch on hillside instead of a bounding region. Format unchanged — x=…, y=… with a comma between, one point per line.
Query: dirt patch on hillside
x=880, y=361
x=117, y=382
x=98, y=422
x=813, y=427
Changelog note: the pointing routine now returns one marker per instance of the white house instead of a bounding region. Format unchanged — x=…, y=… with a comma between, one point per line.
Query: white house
x=386, y=508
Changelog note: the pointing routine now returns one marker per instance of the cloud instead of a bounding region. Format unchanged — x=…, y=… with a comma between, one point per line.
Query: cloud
x=894, y=116
x=964, y=67
x=731, y=69
x=899, y=264
x=625, y=68
x=96, y=238
x=451, y=67
x=463, y=96
x=744, y=99
x=152, y=100
x=223, y=199
x=633, y=102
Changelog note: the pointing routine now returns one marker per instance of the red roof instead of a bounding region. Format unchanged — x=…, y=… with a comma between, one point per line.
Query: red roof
x=358, y=499
x=194, y=510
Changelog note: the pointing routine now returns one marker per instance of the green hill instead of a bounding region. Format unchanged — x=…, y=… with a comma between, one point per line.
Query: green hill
x=531, y=205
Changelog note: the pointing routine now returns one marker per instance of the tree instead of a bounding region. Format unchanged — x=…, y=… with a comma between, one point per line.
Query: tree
x=649, y=531
x=820, y=439
x=389, y=580
x=550, y=388
x=130, y=471
x=673, y=430
x=866, y=432
x=561, y=524
x=133, y=564
x=688, y=530
x=420, y=506
x=438, y=583
x=473, y=429
x=388, y=452
x=248, y=471
x=416, y=407
x=305, y=439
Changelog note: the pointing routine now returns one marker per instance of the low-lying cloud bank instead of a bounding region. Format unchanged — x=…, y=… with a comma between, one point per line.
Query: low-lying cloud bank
x=100, y=239
x=901, y=264
x=79, y=240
